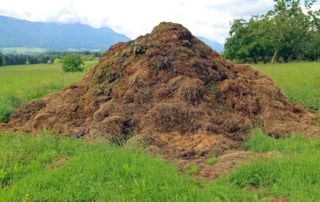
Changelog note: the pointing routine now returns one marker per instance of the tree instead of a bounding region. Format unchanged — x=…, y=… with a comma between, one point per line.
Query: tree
x=311, y=48
x=285, y=32
x=72, y=63
x=248, y=41
x=1, y=59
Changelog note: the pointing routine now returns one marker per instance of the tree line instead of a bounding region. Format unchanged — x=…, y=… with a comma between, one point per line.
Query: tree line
x=14, y=59
x=288, y=32
x=45, y=58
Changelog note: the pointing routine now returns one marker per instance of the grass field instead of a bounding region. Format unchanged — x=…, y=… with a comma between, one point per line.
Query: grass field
x=22, y=83
x=50, y=168
x=299, y=81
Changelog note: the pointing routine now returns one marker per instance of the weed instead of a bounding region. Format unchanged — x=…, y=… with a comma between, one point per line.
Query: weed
x=4, y=178
x=139, y=49
x=192, y=170
x=211, y=161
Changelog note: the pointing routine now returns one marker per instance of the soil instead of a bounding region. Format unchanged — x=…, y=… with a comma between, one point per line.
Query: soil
x=172, y=92
x=224, y=165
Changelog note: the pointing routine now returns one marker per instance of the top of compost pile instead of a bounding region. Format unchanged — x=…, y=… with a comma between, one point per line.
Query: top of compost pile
x=172, y=92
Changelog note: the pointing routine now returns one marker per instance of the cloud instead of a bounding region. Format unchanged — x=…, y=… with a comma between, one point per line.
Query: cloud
x=206, y=18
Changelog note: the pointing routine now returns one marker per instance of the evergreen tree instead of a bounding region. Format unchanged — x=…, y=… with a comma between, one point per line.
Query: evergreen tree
x=1, y=59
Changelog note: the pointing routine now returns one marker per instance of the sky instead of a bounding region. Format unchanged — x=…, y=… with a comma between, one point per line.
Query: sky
x=208, y=18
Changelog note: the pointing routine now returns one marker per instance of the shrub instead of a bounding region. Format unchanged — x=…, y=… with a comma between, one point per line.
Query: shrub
x=72, y=63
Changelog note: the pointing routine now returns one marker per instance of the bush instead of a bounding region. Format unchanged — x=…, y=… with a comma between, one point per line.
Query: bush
x=72, y=63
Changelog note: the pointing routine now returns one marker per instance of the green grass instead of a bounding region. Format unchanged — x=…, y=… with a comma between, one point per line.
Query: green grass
x=30, y=171
x=260, y=142
x=211, y=161
x=193, y=170
x=51, y=168
x=292, y=170
x=299, y=81
x=22, y=83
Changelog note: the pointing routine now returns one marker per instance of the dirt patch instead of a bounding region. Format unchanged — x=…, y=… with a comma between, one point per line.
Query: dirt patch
x=224, y=163
x=223, y=166
x=279, y=199
x=174, y=92
x=57, y=162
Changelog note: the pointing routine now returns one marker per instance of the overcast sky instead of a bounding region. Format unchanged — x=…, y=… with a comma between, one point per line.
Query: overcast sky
x=208, y=18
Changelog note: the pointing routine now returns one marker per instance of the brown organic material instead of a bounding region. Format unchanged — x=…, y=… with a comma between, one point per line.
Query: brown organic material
x=174, y=92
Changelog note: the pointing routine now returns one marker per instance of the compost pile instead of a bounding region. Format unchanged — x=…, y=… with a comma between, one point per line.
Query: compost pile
x=171, y=92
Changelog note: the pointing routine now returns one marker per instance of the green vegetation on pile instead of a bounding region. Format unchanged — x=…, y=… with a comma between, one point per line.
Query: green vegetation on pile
x=211, y=161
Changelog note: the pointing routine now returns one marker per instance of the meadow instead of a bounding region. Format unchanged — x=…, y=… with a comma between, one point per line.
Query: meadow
x=47, y=167
x=300, y=82
x=22, y=83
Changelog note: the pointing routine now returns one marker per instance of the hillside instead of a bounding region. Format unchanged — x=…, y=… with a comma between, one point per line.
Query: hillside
x=55, y=36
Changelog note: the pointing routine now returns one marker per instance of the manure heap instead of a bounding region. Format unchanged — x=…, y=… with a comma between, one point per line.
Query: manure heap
x=172, y=92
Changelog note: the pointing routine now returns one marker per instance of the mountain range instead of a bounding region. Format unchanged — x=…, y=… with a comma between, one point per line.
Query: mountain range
x=213, y=44
x=21, y=36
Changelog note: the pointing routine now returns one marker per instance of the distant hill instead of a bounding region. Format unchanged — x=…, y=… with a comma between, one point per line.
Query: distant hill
x=213, y=44
x=23, y=36
x=16, y=35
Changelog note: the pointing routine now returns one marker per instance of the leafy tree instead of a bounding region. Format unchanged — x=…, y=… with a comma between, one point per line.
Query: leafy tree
x=248, y=42
x=72, y=63
x=289, y=29
x=285, y=32
x=311, y=49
